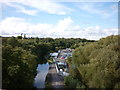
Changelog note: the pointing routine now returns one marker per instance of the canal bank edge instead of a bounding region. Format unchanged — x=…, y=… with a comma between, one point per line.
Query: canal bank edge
x=48, y=79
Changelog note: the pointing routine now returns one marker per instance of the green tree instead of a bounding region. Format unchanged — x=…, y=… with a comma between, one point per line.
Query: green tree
x=18, y=68
x=12, y=41
x=97, y=63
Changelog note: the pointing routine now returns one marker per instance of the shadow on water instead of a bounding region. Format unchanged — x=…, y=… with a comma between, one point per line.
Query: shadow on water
x=42, y=70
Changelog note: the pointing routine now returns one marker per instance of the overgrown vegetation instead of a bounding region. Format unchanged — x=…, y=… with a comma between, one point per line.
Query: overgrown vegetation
x=93, y=65
x=19, y=61
x=96, y=65
x=20, y=56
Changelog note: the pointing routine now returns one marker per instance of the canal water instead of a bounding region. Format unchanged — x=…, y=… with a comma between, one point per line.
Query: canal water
x=42, y=71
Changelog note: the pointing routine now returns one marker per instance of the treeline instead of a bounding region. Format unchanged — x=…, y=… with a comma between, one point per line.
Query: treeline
x=95, y=65
x=62, y=43
x=20, y=56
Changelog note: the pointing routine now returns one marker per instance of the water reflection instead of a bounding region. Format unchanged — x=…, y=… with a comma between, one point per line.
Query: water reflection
x=42, y=70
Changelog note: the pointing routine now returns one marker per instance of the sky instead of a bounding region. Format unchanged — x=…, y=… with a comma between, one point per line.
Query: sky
x=57, y=19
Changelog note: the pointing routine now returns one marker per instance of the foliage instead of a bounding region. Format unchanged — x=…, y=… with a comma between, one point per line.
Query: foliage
x=13, y=42
x=97, y=63
x=18, y=66
x=41, y=50
x=71, y=82
x=19, y=37
x=61, y=43
x=21, y=56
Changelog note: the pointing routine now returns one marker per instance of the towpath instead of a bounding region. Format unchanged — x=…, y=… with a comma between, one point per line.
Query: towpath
x=57, y=81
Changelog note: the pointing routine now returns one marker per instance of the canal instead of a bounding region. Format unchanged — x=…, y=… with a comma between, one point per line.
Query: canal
x=42, y=70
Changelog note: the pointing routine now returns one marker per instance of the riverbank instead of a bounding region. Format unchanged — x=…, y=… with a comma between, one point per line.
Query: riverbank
x=53, y=80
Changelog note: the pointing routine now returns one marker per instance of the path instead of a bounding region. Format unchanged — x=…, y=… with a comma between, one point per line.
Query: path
x=56, y=80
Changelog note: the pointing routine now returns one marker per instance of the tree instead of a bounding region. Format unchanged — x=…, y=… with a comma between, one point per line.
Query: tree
x=97, y=63
x=19, y=37
x=41, y=50
x=18, y=65
x=12, y=41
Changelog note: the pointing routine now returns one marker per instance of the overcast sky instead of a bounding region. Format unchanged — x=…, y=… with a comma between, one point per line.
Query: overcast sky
x=42, y=18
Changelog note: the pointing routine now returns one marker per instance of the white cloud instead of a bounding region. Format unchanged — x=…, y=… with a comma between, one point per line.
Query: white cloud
x=15, y=26
x=96, y=32
x=98, y=9
x=29, y=12
x=19, y=8
x=64, y=28
x=63, y=24
x=23, y=10
x=37, y=5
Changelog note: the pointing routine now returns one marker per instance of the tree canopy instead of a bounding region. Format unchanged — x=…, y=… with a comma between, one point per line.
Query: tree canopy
x=20, y=57
x=97, y=64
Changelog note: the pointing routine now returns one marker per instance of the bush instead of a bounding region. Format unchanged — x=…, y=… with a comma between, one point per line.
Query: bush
x=70, y=82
